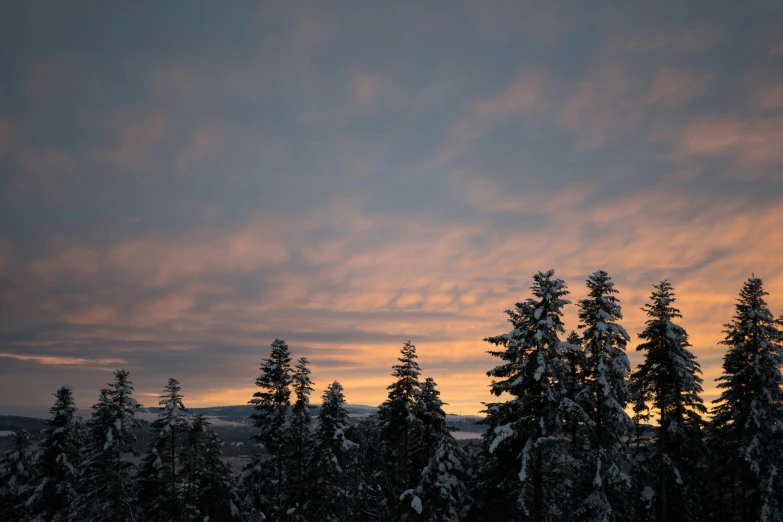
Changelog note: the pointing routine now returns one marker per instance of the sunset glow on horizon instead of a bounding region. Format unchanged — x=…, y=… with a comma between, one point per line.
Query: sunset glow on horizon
x=181, y=184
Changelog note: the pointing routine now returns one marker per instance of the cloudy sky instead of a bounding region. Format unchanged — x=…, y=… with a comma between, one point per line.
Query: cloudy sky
x=183, y=182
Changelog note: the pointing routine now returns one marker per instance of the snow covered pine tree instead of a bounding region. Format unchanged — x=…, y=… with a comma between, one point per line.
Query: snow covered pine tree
x=16, y=479
x=105, y=492
x=331, y=457
x=668, y=379
x=528, y=471
x=433, y=420
x=400, y=423
x=748, y=415
x=263, y=480
x=442, y=494
x=299, y=443
x=208, y=482
x=60, y=455
x=604, y=397
x=158, y=479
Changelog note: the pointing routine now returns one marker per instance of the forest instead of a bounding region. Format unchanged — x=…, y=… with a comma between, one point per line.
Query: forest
x=572, y=433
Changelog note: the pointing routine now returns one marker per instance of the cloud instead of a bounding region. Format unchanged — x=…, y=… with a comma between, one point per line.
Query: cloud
x=602, y=107
x=672, y=87
x=98, y=364
x=178, y=201
x=771, y=96
x=751, y=142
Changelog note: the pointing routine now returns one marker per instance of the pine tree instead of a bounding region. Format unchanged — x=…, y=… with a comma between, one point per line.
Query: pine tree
x=400, y=422
x=332, y=457
x=208, y=482
x=369, y=478
x=576, y=419
x=748, y=415
x=528, y=470
x=299, y=441
x=668, y=380
x=105, y=476
x=604, y=396
x=59, y=457
x=158, y=480
x=442, y=495
x=17, y=472
x=263, y=479
x=433, y=419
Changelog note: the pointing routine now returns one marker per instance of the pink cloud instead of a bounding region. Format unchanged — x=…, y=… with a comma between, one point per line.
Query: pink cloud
x=5, y=137
x=369, y=89
x=539, y=20
x=55, y=73
x=526, y=94
x=770, y=96
x=602, y=107
x=692, y=39
x=204, y=142
x=750, y=141
x=672, y=86
x=136, y=134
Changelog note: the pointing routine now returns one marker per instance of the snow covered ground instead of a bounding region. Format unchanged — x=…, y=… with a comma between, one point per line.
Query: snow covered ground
x=6, y=433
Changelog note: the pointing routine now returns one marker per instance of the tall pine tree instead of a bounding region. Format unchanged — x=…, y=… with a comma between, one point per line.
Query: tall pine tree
x=668, y=381
x=58, y=461
x=400, y=423
x=332, y=456
x=433, y=419
x=17, y=472
x=158, y=480
x=603, y=397
x=105, y=492
x=528, y=471
x=748, y=415
x=299, y=441
x=208, y=482
x=263, y=481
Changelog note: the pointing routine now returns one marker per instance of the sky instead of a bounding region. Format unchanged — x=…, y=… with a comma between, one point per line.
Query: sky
x=183, y=182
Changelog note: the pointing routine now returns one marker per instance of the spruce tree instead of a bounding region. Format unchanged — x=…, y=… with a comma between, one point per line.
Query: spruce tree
x=603, y=397
x=299, y=441
x=442, y=494
x=748, y=415
x=528, y=470
x=58, y=460
x=332, y=456
x=576, y=419
x=370, y=477
x=17, y=472
x=400, y=423
x=105, y=492
x=669, y=381
x=263, y=480
x=208, y=482
x=158, y=480
x=433, y=419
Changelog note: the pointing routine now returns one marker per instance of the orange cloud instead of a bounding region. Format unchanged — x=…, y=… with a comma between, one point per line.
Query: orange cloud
x=63, y=360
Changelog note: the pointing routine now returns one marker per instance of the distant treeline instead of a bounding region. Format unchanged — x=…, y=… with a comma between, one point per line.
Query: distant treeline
x=559, y=444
